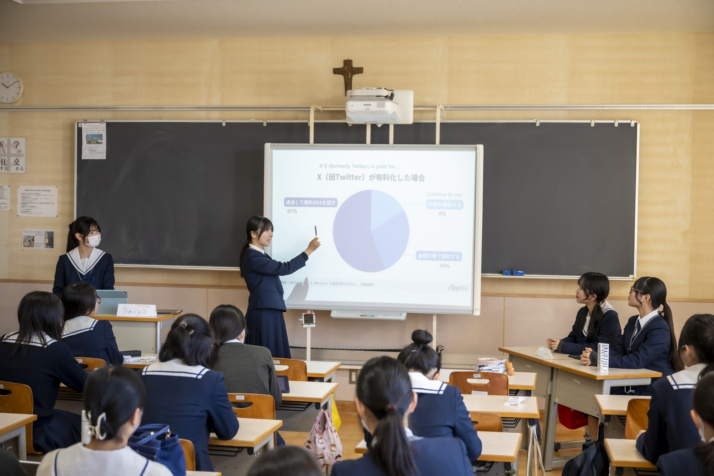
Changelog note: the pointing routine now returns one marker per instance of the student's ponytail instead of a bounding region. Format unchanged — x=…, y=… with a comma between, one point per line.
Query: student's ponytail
x=594, y=284
x=384, y=388
x=419, y=355
x=188, y=340
x=258, y=224
x=703, y=404
x=698, y=332
x=658, y=296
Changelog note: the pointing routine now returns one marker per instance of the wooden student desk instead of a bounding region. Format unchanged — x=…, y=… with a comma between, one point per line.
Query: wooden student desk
x=615, y=405
x=310, y=392
x=252, y=433
x=497, y=404
x=139, y=333
x=519, y=381
x=624, y=454
x=14, y=425
x=573, y=385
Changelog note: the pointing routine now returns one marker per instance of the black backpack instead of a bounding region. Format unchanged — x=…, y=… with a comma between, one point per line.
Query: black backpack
x=592, y=461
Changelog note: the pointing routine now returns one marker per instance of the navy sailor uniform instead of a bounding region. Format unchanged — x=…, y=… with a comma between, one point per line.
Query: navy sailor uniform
x=432, y=456
x=440, y=412
x=193, y=401
x=670, y=424
x=681, y=462
x=607, y=331
x=99, y=271
x=42, y=368
x=88, y=337
x=265, y=325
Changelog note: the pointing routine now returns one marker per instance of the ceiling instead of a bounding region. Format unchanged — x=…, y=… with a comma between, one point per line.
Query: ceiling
x=63, y=20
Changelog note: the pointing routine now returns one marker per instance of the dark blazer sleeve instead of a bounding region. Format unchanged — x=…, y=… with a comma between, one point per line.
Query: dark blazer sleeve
x=609, y=330
x=654, y=348
x=273, y=385
x=463, y=428
x=570, y=343
x=107, y=281
x=60, y=282
x=262, y=264
x=653, y=442
x=619, y=347
x=221, y=418
x=115, y=357
x=67, y=368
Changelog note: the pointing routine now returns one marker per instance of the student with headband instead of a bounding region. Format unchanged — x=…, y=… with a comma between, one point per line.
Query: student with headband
x=670, y=428
x=113, y=402
x=84, y=261
x=384, y=400
x=182, y=392
x=698, y=461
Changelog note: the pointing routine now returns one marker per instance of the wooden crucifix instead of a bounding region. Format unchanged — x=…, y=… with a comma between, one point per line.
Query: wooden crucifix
x=347, y=70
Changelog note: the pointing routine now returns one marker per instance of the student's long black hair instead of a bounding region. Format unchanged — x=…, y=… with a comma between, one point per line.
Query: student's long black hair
x=189, y=340
x=117, y=392
x=703, y=403
x=39, y=313
x=78, y=299
x=286, y=461
x=698, y=332
x=258, y=224
x=593, y=284
x=658, y=297
x=419, y=355
x=83, y=226
x=384, y=388
x=227, y=322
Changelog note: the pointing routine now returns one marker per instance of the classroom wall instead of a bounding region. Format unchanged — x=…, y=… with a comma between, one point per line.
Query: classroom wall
x=676, y=218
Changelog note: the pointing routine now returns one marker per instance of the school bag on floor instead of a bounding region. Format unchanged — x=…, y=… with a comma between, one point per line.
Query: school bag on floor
x=323, y=440
x=592, y=461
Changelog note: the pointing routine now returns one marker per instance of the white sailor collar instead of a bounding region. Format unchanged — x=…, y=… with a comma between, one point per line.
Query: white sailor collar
x=34, y=340
x=686, y=378
x=78, y=325
x=175, y=368
x=256, y=248
x=421, y=384
x=91, y=262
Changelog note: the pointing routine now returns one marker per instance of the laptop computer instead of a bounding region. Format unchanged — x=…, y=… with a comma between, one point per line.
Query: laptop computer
x=111, y=298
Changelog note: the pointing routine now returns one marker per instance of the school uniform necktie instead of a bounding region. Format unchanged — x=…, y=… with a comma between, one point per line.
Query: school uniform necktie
x=638, y=328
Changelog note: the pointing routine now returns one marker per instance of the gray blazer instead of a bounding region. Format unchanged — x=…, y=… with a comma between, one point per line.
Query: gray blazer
x=248, y=369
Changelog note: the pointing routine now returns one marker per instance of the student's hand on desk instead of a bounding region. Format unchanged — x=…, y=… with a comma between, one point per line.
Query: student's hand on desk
x=313, y=245
x=585, y=356
x=552, y=343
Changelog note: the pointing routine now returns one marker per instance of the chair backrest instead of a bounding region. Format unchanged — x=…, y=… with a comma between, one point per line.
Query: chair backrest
x=636, y=418
x=262, y=406
x=90, y=363
x=296, y=371
x=484, y=421
x=17, y=398
x=494, y=383
x=188, y=454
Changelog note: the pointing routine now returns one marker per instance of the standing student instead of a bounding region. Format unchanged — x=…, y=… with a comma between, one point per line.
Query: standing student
x=670, y=427
x=36, y=357
x=596, y=322
x=384, y=400
x=246, y=368
x=648, y=341
x=440, y=410
x=87, y=337
x=84, y=261
x=266, y=325
x=182, y=392
x=698, y=461
x=113, y=402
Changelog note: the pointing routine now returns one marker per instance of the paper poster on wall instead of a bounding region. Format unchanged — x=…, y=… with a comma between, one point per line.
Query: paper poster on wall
x=38, y=239
x=37, y=201
x=4, y=197
x=13, y=155
x=94, y=141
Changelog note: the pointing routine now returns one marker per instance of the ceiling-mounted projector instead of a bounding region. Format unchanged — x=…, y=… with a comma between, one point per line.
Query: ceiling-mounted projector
x=379, y=106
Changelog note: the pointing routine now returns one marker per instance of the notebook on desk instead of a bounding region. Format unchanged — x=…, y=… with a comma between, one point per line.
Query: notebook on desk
x=111, y=298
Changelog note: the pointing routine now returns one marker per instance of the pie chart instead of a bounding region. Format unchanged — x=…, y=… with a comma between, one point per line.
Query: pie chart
x=371, y=231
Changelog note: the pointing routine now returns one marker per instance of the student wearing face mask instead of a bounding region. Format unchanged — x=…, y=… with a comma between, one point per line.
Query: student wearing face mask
x=697, y=461
x=113, y=402
x=84, y=261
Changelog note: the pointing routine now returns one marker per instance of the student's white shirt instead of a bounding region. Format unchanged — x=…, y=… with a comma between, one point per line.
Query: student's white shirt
x=647, y=318
x=83, y=265
x=78, y=460
x=256, y=248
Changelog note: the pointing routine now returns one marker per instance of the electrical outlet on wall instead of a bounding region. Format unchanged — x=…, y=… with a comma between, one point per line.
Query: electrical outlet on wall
x=353, y=376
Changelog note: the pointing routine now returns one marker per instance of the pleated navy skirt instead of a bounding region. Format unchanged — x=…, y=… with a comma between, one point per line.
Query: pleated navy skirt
x=266, y=327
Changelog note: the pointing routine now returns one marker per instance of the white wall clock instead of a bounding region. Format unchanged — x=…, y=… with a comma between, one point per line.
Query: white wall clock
x=10, y=88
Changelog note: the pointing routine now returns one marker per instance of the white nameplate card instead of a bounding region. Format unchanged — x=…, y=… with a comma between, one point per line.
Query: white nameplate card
x=136, y=310
x=603, y=357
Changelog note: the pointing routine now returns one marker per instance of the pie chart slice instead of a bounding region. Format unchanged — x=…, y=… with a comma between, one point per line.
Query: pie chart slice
x=371, y=231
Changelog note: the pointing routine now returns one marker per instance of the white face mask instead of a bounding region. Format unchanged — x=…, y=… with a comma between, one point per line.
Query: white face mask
x=94, y=240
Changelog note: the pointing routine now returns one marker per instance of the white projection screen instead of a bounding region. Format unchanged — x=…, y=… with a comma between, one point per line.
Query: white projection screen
x=400, y=226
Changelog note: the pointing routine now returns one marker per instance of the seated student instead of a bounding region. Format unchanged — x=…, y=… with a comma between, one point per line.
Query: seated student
x=113, y=399
x=10, y=465
x=183, y=393
x=384, y=400
x=246, y=368
x=596, y=322
x=698, y=461
x=648, y=341
x=286, y=461
x=87, y=337
x=34, y=356
x=440, y=410
x=670, y=427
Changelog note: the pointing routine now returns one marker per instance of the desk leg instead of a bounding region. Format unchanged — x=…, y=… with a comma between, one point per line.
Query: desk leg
x=549, y=422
